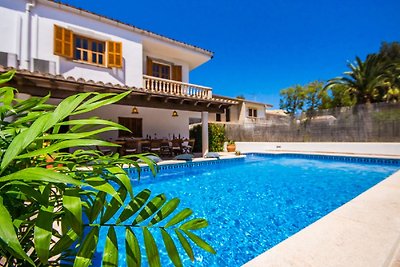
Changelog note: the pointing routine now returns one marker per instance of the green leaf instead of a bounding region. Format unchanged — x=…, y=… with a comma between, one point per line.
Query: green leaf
x=87, y=249
x=110, y=254
x=194, y=224
x=150, y=208
x=40, y=126
x=63, y=145
x=134, y=205
x=113, y=206
x=166, y=210
x=179, y=217
x=102, y=185
x=94, y=105
x=151, y=249
x=6, y=76
x=43, y=232
x=200, y=242
x=8, y=235
x=64, y=243
x=97, y=206
x=133, y=255
x=171, y=248
x=121, y=176
x=73, y=207
x=68, y=136
x=40, y=174
x=185, y=244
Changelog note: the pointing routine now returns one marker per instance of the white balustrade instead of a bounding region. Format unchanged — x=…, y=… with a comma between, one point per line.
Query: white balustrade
x=159, y=85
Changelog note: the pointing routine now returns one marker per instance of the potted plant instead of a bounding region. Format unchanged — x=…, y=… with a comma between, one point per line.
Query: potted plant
x=231, y=146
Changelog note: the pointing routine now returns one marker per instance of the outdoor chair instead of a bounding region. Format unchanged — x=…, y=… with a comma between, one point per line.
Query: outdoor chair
x=176, y=146
x=187, y=146
x=130, y=147
x=155, y=146
x=165, y=149
x=104, y=149
x=145, y=146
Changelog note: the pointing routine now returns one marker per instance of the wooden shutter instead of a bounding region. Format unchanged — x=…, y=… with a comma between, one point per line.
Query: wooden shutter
x=177, y=73
x=114, y=54
x=149, y=66
x=63, y=42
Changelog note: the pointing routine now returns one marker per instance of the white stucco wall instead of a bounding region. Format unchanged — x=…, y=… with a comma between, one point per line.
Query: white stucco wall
x=14, y=21
x=155, y=121
x=43, y=21
x=10, y=25
x=347, y=148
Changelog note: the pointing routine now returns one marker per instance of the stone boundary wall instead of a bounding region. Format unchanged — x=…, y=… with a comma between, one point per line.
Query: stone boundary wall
x=379, y=122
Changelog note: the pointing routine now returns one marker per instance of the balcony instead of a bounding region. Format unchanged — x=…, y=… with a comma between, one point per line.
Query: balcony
x=159, y=85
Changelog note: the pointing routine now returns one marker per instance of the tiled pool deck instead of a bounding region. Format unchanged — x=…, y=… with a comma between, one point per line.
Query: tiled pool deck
x=363, y=232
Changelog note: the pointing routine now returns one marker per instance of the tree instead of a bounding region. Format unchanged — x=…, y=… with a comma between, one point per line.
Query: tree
x=49, y=199
x=337, y=96
x=367, y=80
x=314, y=95
x=292, y=99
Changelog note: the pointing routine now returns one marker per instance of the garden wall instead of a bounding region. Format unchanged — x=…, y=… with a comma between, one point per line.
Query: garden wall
x=379, y=122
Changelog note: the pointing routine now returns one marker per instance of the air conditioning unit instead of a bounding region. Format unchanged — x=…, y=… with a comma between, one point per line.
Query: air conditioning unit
x=44, y=66
x=8, y=59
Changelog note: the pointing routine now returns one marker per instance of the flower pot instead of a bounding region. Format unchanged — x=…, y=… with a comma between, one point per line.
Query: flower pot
x=231, y=148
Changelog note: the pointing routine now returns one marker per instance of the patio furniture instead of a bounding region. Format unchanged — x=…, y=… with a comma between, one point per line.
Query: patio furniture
x=187, y=146
x=165, y=149
x=145, y=146
x=130, y=147
x=104, y=149
x=176, y=146
x=155, y=146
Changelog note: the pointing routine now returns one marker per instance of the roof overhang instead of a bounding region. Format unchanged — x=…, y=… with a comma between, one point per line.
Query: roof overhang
x=60, y=87
x=193, y=57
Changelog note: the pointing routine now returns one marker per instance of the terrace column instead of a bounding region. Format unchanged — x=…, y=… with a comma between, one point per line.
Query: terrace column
x=204, y=132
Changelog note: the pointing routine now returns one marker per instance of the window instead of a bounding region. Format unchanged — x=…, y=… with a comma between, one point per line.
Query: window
x=89, y=50
x=84, y=49
x=252, y=113
x=218, y=117
x=161, y=70
x=228, y=114
x=133, y=124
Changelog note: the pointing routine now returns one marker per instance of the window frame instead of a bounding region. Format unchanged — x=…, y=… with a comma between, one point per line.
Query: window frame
x=161, y=64
x=252, y=113
x=90, y=51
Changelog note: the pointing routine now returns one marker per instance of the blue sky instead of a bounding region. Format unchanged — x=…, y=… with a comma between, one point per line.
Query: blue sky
x=262, y=47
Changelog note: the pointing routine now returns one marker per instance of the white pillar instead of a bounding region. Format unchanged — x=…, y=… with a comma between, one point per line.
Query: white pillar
x=204, y=132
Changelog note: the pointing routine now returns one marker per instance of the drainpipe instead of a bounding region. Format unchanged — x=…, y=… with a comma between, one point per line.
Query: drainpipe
x=26, y=36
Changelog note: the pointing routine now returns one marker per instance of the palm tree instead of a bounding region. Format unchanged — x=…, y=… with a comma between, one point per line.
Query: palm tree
x=365, y=80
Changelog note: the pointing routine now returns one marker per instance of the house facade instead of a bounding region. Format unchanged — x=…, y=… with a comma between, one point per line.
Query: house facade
x=244, y=112
x=63, y=50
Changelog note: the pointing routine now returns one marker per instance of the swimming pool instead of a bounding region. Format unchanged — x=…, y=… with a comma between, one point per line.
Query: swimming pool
x=254, y=203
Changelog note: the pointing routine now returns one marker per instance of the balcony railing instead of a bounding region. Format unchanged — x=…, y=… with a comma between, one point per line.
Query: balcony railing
x=155, y=84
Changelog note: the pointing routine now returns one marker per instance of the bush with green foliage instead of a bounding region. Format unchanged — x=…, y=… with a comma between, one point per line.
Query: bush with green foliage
x=216, y=137
x=49, y=199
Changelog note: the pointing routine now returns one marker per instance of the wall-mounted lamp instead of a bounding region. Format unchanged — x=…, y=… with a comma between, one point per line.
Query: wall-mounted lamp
x=135, y=110
x=174, y=113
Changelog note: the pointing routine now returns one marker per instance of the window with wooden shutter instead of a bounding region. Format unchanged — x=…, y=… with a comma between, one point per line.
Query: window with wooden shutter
x=63, y=42
x=149, y=66
x=114, y=54
x=177, y=73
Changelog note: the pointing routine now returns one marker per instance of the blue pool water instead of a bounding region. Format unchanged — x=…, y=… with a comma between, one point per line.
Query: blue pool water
x=255, y=203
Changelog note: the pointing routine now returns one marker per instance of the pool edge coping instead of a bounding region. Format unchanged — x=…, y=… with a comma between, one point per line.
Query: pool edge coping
x=290, y=252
